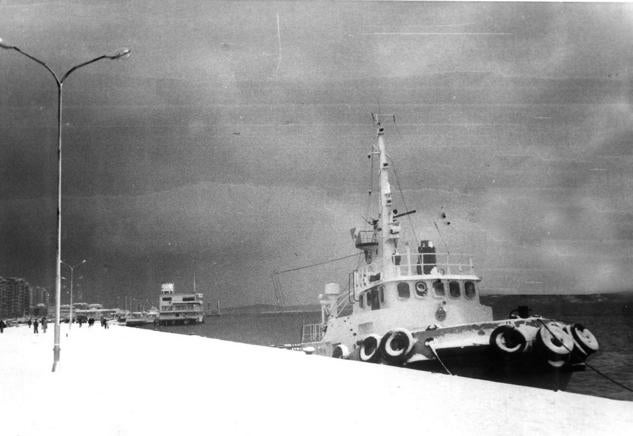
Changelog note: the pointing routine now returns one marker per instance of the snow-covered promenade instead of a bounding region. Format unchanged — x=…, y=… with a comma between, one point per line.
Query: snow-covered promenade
x=125, y=381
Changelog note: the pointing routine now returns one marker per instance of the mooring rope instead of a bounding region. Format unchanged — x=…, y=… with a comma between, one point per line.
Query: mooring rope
x=428, y=344
x=600, y=373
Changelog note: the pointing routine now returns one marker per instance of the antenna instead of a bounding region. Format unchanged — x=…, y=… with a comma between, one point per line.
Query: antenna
x=378, y=117
x=441, y=238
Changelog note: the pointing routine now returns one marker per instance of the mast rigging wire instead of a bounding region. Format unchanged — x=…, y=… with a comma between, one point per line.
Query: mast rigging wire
x=394, y=172
x=315, y=264
x=441, y=238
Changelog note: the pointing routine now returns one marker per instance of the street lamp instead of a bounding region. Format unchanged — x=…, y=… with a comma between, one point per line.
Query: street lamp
x=72, y=275
x=120, y=54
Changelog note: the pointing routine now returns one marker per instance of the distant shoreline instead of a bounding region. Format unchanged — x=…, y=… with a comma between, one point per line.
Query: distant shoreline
x=568, y=303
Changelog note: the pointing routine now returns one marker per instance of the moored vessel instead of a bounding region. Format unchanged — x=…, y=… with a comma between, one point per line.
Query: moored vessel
x=137, y=319
x=409, y=305
x=178, y=308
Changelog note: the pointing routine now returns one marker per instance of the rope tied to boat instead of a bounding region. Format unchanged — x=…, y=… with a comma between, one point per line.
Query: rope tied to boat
x=430, y=347
x=600, y=373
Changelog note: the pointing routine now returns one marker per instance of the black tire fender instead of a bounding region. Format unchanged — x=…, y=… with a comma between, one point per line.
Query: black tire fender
x=507, y=340
x=396, y=345
x=340, y=351
x=369, y=349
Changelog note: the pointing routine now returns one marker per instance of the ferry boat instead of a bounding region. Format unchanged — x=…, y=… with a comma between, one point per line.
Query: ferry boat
x=177, y=308
x=411, y=305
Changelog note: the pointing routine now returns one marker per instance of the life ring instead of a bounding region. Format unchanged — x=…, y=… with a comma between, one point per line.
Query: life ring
x=585, y=343
x=340, y=352
x=507, y=340
x=396, y=345
x=554, y=343
x=369, y=349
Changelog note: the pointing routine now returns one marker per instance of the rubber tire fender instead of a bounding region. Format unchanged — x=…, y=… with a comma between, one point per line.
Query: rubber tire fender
x=555, y=343
x=370, y=349
x=507, y=341
x=585, y=340
x=340, y=351
x=403, y=338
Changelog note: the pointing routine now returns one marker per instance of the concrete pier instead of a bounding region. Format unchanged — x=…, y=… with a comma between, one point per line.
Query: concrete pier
x=126, y=381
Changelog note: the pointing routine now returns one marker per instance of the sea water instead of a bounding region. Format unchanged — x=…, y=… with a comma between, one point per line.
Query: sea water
x=614, y=332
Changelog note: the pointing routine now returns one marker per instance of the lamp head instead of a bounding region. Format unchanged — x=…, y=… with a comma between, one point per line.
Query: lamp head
x=5, y=46
x=121, y=53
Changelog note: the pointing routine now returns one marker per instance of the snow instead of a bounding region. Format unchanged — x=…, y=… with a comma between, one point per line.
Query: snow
x=125, y=381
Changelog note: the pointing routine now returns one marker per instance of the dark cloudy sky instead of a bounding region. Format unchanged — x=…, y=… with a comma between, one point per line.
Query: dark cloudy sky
x=233, y=141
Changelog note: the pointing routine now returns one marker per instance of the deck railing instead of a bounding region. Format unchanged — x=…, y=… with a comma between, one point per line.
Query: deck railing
x=408, y=264
x=312, y=333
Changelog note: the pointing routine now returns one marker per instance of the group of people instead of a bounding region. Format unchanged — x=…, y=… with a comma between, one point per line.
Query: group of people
x=43, y=323
x=36, y=324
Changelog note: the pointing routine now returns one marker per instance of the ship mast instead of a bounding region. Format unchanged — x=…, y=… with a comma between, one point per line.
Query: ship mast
x=389, y=228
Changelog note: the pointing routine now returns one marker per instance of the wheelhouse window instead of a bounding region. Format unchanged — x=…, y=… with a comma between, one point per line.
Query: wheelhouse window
x=438, y=288
x=361, y=301
x=421, y=289
x=403, y=290
x=373, y=299
x=469, y=290
x=381, y=290
x=453, y=289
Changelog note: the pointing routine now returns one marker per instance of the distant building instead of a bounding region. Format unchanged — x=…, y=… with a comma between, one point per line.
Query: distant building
x=14, y=297
x=39, y=300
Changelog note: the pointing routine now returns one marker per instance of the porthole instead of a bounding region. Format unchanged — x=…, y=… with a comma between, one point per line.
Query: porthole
x=420, y=289
x=438, y=288
x=469, y=290
x=453, y=289
x=403, y=290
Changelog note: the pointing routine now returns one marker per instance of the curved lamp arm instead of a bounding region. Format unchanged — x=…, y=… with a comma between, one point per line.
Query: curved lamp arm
x=33, y=58
x=119, y=54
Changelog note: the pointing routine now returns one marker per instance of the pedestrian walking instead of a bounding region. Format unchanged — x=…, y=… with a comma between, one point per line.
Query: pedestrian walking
x=44, y=324
x=29, y=322
x=35, y=325
x=2, y=326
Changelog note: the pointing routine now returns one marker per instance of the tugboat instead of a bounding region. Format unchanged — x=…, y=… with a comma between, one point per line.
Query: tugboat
x=410, y=305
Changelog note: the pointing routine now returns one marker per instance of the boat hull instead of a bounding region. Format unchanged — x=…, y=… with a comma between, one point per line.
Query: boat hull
x=482, y=362
x=180, y=320
x=509, y=351
x=138, y=322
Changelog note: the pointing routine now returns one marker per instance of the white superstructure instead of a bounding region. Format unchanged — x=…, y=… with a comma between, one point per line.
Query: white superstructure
x=179, y=308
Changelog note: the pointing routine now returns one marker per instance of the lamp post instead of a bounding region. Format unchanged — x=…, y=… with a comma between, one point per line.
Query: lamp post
x=120, y=54
x=72, y=276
